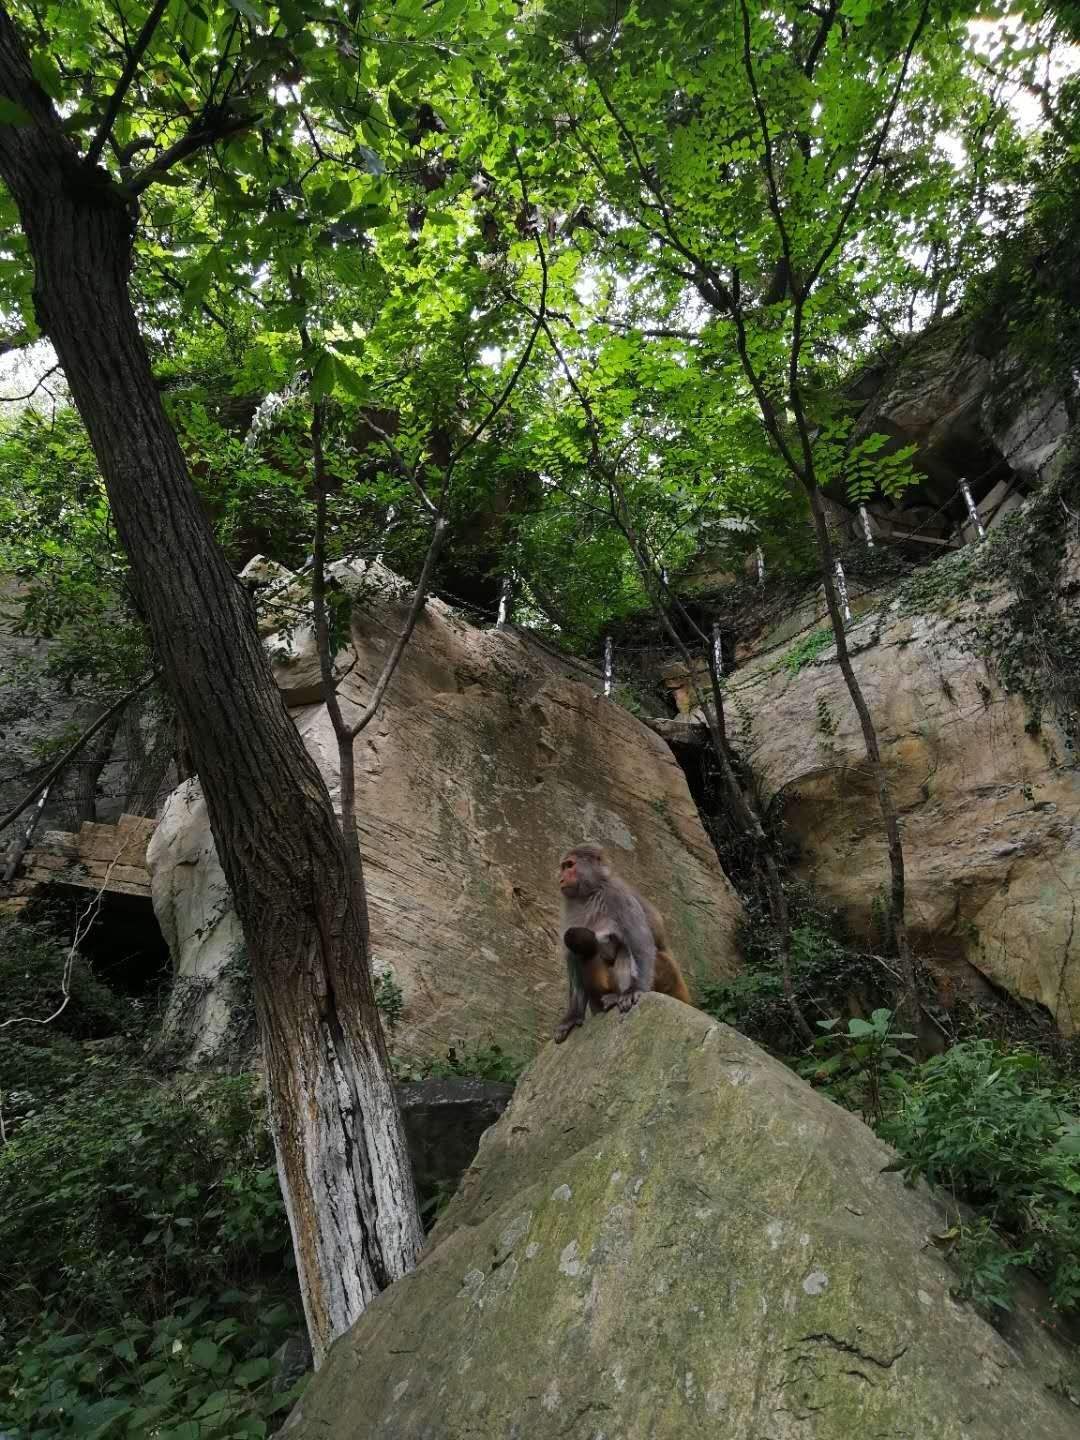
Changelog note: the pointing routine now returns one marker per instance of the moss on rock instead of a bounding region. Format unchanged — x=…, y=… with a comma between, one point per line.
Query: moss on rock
x=668, y=1234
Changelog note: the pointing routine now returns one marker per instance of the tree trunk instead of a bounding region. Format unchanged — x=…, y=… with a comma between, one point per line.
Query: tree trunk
x=86, y=772
x=340, y=1146
x=910, y=1006
x=147, y=769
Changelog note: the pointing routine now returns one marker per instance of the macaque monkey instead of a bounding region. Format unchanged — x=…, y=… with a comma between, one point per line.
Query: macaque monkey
x=614, y=942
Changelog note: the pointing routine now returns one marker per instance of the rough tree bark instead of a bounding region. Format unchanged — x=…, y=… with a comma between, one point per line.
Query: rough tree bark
x=87, y=772
x=341, y=1151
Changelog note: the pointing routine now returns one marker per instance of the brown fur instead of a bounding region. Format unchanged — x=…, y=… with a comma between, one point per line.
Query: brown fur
x=597, y=958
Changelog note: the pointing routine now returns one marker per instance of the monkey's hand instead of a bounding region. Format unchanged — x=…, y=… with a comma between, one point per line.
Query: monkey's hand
x=562, y=1030
x=628, y=999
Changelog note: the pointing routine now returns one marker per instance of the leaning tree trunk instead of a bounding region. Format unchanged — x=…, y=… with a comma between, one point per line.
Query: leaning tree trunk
x=340, y=1146
x=909, y=1007
x=87, y=772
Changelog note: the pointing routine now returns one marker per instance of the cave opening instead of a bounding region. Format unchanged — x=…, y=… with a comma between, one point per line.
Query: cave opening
x=119, y=936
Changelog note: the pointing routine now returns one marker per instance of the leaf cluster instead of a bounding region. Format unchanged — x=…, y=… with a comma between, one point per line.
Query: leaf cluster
x=996, y=1130
x=206, y=1372
x=127, y=1197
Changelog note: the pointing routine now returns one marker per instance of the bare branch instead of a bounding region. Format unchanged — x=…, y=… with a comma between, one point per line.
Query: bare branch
x=116, y=99
x=14, y=399
x=419, y=600
x=86, y=919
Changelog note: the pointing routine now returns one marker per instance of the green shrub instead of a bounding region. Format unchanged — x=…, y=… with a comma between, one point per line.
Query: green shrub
x=753, y=1001
x=825, y=972
x=856, y=1061
x=480, y=1062
x=32, y=965
x=123, y=1199
x=389, y=1001
x=192, y=1375
x=995, y=1130
x=806, y=649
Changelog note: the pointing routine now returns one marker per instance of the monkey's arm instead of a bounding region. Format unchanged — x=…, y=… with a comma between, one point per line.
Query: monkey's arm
x=575, y=1008
x=637, y=938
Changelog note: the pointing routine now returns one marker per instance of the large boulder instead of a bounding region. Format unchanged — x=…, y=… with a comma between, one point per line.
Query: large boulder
x=669, y=1235
x=486, y=760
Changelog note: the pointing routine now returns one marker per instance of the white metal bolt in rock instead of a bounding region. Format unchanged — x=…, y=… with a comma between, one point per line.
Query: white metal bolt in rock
x=841, y=585
x=965, y=490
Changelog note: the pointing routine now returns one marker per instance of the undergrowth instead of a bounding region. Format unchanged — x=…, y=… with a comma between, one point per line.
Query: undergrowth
x=470, y=1062
x=999, y=1131
x=145, y=1260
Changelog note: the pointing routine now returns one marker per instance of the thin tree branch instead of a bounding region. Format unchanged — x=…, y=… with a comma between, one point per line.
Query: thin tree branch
x=704, y=270
x=419, y=600
x=818, y=45
x=875, y=151
x=14, y=399
x=116, y=99
x=202, y=134
x=772, y=187
x=72, y=750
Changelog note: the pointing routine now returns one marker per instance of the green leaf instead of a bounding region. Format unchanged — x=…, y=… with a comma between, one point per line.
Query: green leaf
x=352, y=383
x=214, y=1404
x=204, y=1353
x=252, y=1370
x=246, y=7
x=195, y=27
x=323, y=376
x=47, y=74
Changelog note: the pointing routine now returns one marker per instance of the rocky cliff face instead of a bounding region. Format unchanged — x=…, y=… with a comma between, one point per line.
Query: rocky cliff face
x=711, y=1249
x=486, y=761
x=990, y=810
x=971, y=669
x=127, y=768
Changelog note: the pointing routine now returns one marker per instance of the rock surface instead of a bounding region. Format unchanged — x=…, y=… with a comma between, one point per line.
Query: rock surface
x=669, y=1235
x=135, y=765
x=444, y=1120
x=209, y=1017
x=970, y=413
x=109, y=859
x=990, y=812
x=485, y=762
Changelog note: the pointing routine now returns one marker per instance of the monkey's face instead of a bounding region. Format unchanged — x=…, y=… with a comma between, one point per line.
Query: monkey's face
x=568, y=876
x=582, y=872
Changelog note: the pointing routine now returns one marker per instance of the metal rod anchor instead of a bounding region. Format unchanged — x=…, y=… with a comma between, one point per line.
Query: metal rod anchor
x=965, y=490
x=841, y=586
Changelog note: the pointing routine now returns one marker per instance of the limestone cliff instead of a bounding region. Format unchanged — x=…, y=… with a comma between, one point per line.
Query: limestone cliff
x=486, y=761
x=971, y=669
